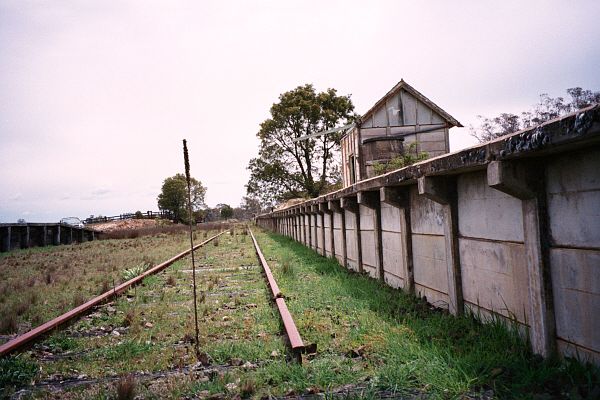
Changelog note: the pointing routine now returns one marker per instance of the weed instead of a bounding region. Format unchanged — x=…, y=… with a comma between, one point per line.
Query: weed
x=105, y=287
x=247, y=388
x=286, y=266
x=216, y=242
x=171, y=281
x=130, y=317
x=126, y=388
x=133, y=272
x=8, y=322
x=78, y=299
x=49, y=278
x=16, y=371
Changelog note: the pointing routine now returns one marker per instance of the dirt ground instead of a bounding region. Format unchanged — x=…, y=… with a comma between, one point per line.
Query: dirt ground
x=112, y=226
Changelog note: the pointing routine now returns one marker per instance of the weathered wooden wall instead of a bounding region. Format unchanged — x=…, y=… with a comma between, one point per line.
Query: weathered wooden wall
x=403, y=117
x=509, y=228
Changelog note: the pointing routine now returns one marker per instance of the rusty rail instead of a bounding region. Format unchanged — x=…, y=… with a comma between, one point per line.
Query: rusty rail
x=289, y=325
x=33, y=334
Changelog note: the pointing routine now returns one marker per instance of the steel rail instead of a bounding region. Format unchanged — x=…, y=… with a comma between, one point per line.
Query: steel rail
x=33, y=334
x=289, y=325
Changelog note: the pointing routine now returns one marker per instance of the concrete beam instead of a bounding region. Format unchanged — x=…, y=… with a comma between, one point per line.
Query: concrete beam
x=434, y=188
x=526, y=182
x=508, y=178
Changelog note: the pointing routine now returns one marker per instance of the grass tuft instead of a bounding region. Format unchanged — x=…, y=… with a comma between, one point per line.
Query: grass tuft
x=126, y=388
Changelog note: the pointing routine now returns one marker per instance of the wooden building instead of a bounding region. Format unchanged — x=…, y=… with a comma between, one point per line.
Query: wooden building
x=401, y=117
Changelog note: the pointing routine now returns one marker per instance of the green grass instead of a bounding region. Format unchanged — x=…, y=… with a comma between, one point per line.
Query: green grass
x=405, y=344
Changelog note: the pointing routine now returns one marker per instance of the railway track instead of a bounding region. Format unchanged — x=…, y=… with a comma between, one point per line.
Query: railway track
x=230, y=295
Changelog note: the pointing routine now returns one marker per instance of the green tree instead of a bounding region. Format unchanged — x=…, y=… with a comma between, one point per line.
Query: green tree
x=286, y=169
x=173, y=196
x=226, y=211
x=548, y=108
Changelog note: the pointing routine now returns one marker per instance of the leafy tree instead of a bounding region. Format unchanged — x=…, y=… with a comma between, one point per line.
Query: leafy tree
x=548, y=108
x=285, y=169
x=226, y=211
x=173, y=196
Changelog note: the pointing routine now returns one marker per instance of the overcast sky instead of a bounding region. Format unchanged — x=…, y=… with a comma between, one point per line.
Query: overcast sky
x=95, y=96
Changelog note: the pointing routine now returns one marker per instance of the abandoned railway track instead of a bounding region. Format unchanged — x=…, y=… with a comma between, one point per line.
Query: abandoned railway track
x=373, y=340
x=231, y=291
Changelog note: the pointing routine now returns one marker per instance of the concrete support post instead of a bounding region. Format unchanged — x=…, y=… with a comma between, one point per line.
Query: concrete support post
x=57, y=236
x=321, y=213
x=27, y=237
x=309, y=225
x=443, y=191
x=350, y=204
x=526, y=182
x=371, y=200
x=334, y=205
x=44, y=236
x=400, y=198
x=298, y=232
x=324, y=208
x=6, y=238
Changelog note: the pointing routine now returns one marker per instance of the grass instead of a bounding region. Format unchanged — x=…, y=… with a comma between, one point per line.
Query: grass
x=41, y=283
x=368, y=335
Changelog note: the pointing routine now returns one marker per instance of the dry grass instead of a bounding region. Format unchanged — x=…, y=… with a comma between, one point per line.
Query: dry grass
x=126, y=388
x=40, y=283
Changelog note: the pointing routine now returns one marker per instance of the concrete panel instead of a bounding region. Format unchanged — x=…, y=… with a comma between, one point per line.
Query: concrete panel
x=576, y=291
x=319, y=234
x=494, y=276
x=369, y=255
x=430, y=269
x=392, y=253
x=327, y=241
x=394, y=281
x=581, y=353
x=574, y=172
x=350, y=220
x=366, y=218
x=434, y=297
x=390, y=218
x=351, y=252
x=487, y=213
x=575, y=218
x=425, y=215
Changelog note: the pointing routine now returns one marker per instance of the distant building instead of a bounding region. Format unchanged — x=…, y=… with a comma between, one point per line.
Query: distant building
x=401, y=117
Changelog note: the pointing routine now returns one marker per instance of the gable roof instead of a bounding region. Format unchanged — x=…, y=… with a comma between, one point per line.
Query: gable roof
x=403, y=85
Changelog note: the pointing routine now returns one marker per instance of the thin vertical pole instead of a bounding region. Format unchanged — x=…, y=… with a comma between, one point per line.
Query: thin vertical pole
x=187, y=177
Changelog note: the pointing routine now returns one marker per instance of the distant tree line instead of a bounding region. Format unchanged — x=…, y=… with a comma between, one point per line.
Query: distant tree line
x=548, y=108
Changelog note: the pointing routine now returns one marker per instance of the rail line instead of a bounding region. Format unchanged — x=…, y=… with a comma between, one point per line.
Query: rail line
x=35, y=333
x=289, y=325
